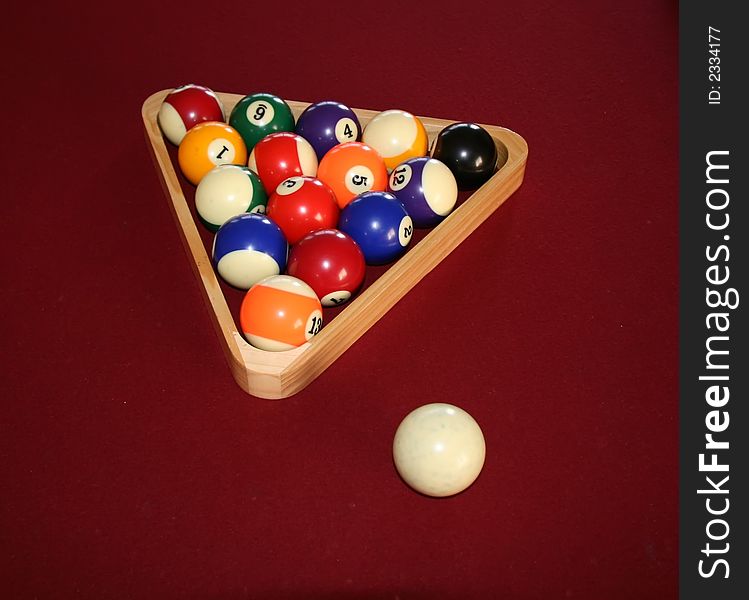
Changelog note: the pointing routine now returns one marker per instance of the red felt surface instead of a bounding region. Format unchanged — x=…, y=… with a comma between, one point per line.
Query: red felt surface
x=132, y=466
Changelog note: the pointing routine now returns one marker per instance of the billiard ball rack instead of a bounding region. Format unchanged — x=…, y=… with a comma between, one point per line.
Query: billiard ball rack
x=276, y=375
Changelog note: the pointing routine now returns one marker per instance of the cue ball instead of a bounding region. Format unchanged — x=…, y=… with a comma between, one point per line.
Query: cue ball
x=439, y=450
x=185, y=107
x=469, y=152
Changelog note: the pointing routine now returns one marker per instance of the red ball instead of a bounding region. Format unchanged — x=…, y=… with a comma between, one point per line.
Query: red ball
x=330, y=262
x=185, y=107
x=279, y=156
x=301, y=205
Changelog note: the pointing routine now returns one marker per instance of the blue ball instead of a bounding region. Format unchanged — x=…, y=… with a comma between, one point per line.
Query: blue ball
x=248, y=248
x=327, y=124
x=380, y=225
x=426, y=188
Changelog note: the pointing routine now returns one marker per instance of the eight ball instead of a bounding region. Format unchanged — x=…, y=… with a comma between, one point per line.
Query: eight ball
x=469, y=152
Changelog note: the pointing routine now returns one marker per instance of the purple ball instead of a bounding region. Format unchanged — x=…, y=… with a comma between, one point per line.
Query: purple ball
x=327, y=124
x=426, y=188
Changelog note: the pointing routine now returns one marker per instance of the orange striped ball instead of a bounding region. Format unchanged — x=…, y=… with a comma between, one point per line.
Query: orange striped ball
x=280, y=313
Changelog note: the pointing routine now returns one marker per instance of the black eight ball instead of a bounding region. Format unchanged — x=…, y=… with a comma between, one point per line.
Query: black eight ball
x=469, y=152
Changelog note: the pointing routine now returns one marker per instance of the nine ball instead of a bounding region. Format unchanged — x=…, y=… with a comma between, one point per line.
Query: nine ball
x=258, y=115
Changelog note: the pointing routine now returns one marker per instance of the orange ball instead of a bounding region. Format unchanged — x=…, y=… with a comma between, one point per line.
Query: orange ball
x=208, y=145
x=351, y=169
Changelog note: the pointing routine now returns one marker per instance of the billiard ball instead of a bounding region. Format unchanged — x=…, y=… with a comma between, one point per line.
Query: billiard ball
x=208, y=145
x=185, y=107
x=351, y=169
x=397, y=135
x=248, y=248
x=439, y=449
x=279, y=156
x=468, y=151
x=380, y=225
x=426, y=188
x=280, y=313
x=330, y=262
x=227, y=191
x=258, y=115
x=301, y=205
x=327, y=124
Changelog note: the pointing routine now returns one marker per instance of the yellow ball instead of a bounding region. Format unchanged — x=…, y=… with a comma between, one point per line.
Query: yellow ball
x=397, y=135
x=208, y=145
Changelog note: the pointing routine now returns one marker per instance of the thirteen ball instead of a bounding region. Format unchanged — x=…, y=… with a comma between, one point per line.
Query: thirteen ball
x=227, y=191
x=185, y=107
x=258, y=115
x=248, y=248
x=380, y=225
x=208, y=145
x=351, y=169
x=301, y=205
x=330, y=262
x=439, y=450
x=397, y=135
x=469, y=152
x=280, y=313
x=327, y=124
x=279, y=156
x=426, y=188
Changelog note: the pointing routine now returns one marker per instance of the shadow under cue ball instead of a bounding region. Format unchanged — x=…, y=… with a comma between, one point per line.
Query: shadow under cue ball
x=439, y=450
x=469, y=152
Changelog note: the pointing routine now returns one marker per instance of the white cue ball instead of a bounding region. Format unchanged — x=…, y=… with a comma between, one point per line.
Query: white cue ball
x=439, y=449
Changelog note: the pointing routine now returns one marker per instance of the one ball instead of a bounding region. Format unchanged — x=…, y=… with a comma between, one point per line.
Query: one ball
x=280, y=313
x=351, y=169
x=426, y=188
x=439, y=449
x=327, y=124
x=330, y=262
x=208, y=145
x=380, y=225
x=185, y=107
x=279, y=156
x=248, y=248
x=227, y=191
x=397, y=135
x=469, y=152
x=301, y=205
x=258, y=115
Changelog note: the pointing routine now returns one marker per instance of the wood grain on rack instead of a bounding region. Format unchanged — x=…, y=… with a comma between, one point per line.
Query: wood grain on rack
x=275, y=375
